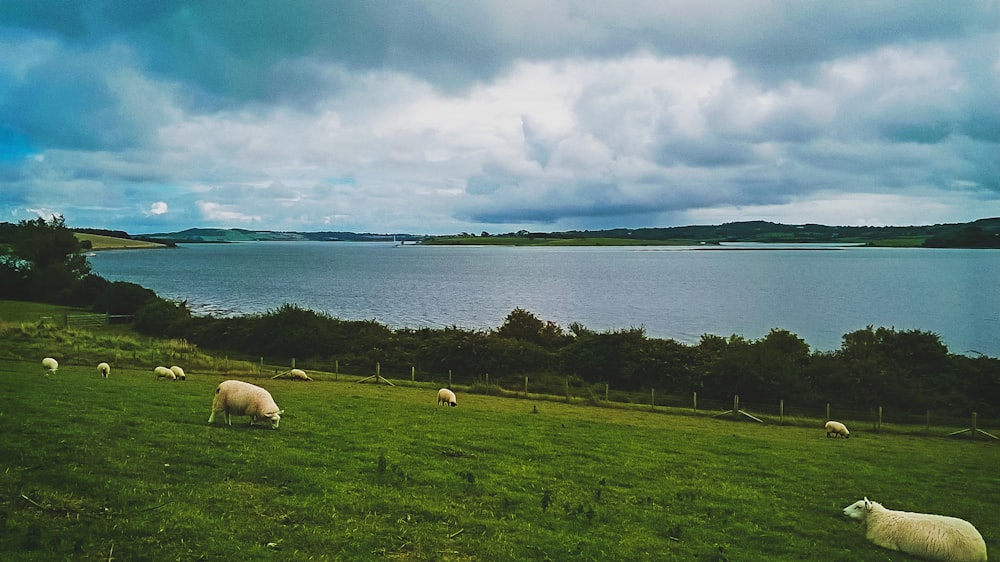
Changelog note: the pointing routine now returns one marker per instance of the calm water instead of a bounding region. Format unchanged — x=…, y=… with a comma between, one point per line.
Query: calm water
x=678, y=293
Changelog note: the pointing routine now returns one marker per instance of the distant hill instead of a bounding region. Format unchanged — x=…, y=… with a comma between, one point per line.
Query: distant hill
x=983, y=233
x=222, y=235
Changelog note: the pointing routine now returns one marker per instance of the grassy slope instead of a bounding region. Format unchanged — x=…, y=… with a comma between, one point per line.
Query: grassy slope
x=128, y=468
x=23, y=311
x=100, y=242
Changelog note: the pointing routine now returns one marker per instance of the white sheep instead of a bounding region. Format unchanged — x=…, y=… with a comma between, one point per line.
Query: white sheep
x=446, y=396
x=104, y=369
x=238, y=398
x=164, y=373
x=299, y=375
x=934, y=537
x=837, y=429
x=178, y=372
x=50, y=365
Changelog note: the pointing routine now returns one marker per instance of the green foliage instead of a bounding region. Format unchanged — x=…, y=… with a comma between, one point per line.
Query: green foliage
x=44, y=262
x=523, y=325
x=161, y=317
x=966, y=236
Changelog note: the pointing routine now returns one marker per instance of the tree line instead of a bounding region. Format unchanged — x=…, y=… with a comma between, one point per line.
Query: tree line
x=909, y=370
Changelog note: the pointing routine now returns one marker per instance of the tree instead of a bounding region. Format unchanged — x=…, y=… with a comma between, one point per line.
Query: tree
x=45, y=261
x=523, y=325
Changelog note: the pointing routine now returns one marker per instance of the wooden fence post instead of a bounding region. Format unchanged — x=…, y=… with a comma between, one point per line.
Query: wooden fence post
x=736, y=405
x=652, y=398
x=487, y=382
x=293, y=362
x=927, y=424
x=975, y=426
x=694, y=406
x=525, y=386
x=449, y=378
x=413, y=373
x=781, y=411
x=566, y=388
x=605, y=392
x=828, y=418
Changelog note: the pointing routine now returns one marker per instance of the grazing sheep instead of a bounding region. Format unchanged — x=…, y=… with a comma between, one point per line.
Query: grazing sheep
x=446, y=396
x=165, y=373
x=104, y=369
x=238, y=398
x=50, y=365
x=837, y=429
x=299, y=375
x=934, y=537
x=178, y=372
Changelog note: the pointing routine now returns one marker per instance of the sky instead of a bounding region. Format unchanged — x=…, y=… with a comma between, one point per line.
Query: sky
x=448, y=116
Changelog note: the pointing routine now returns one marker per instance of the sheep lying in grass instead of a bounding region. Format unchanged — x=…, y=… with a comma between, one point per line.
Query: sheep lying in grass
x=446, y=396
x=104, y=369
x=164, y=373
x=178, y=372
x=50, y=365
x=299, y=375
x=238, y=398
x=837, y=429
x=934, y=537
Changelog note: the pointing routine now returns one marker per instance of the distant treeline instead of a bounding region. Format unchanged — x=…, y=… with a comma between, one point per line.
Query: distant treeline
x=909, y=370
x=983, y=233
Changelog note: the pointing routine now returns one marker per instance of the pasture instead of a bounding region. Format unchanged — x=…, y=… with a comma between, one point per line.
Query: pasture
x=128, y=469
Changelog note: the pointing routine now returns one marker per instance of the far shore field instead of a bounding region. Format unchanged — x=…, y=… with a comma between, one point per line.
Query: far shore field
x=100, y=242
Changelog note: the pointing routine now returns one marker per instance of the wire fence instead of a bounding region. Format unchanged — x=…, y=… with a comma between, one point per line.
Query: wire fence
x=874, y=419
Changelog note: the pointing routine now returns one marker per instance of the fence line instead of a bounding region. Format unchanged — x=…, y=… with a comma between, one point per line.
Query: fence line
x=779, y=412
x=86, y=320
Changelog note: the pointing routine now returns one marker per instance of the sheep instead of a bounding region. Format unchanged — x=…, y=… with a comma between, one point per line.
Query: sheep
x=164, y=373
x=178, y=372
x=104, y=369
x=299, y=375
x=238, y=398
x=446, y=396
x=837, y=429
x=50, y=365
x=934, y=537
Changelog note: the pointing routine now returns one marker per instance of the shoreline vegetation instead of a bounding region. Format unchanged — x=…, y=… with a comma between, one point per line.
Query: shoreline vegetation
x=982, y=233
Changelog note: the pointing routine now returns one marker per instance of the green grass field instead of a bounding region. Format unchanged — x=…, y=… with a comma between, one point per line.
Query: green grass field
x=101, y=242
x=128, y=469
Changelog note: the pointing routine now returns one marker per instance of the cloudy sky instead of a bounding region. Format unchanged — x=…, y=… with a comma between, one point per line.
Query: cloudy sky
x=444, y=116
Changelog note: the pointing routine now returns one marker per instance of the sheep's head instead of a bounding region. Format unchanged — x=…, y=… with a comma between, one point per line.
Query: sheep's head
x=859, y=509
x=275, y=417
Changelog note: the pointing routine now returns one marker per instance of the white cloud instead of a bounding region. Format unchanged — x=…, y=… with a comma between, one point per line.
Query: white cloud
x=158, y=208
x=224, y=214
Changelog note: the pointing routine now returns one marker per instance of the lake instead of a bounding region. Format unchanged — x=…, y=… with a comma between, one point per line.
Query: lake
x=819, y=293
